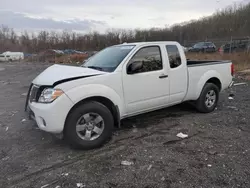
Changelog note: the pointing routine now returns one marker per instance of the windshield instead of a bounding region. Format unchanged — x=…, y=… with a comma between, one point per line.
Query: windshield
x=108, y=59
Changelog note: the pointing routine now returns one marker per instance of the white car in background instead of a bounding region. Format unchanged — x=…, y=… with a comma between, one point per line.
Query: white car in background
x=11, y=56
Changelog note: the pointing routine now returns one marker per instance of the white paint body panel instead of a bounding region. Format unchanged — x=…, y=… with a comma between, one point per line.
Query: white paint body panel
x=56, y=73
x=199, y=75
x=132, y=94
x=54, y=114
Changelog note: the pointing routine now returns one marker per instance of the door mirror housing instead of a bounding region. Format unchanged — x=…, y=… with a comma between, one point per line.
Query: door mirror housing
x=134, y=67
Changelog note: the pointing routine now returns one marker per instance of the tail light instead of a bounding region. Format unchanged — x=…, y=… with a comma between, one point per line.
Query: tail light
x=232, y=69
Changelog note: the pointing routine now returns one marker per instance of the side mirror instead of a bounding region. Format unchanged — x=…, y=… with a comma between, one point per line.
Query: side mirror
x=134, y=67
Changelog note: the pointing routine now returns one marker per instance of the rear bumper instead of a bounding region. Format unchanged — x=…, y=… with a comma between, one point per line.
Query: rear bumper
x=50, y=117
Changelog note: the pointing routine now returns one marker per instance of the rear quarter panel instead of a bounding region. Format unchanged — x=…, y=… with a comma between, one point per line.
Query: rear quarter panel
x=200, y=74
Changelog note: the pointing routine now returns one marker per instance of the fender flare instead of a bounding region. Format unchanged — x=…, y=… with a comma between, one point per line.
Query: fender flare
x=80, y=93
x=203, y=80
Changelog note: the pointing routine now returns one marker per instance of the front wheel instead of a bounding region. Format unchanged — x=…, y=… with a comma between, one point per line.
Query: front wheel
x=89, y=126
x=208, y=99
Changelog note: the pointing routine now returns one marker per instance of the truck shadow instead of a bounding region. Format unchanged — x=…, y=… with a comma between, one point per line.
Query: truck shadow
x=147, y=119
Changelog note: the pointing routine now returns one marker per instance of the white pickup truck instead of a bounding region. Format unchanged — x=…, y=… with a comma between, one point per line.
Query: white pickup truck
x=85, y=103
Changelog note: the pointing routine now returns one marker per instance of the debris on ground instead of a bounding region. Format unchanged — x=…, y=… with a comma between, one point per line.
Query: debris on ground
x=23, y=120
x=5, y=158
x=80, y=185
x=150, y=166
x=209, y=165
x=127, y=163
x=232, y=107
x=65, y=174
x=231, y=96
x=171, y=141
x=212, y=152
x=181, y=135
x=135, y=130
x=239, y=84
x=24, y=94
x=7, y=128
x=58, y=186
x=45, y=186
x=162, y=179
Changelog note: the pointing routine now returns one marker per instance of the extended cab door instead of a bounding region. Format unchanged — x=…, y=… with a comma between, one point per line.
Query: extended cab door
x=177, y=72
x=145, y=80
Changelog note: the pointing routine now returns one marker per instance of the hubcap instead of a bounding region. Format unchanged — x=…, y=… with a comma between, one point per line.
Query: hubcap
x=210, y=98
x=90, y=126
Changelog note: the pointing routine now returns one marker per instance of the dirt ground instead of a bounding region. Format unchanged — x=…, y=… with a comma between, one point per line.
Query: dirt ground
x=216, y=153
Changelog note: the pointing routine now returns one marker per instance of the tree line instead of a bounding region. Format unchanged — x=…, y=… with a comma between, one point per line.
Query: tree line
x=231, y=21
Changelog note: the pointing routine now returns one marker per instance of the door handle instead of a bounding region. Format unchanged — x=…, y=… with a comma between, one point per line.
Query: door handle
x=163, y=76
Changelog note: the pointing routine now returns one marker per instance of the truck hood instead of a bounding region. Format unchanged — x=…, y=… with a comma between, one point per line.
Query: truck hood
x=57, y=74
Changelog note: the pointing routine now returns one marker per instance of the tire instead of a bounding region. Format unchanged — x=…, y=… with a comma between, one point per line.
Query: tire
x=77, y=139
x=201, y=104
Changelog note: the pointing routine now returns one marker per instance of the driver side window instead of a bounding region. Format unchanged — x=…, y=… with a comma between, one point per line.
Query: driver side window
x=149, y=57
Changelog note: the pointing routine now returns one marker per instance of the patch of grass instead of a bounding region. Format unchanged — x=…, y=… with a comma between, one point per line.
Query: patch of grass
x=241, y=60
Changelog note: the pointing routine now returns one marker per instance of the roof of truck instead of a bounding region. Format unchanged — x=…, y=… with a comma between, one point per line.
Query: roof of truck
x=152, y=42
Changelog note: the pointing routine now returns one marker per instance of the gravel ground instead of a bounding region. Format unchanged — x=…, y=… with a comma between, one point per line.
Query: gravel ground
x=216, y=153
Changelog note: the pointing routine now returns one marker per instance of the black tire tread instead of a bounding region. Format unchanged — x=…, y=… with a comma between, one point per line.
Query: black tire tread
x=70, y=132
x=200, y=102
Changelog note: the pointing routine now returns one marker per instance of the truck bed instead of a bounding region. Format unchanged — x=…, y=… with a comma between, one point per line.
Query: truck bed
x=199, y=71
x=204, y=62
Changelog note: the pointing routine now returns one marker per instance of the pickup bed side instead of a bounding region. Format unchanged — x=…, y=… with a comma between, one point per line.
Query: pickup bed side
x=201, y=72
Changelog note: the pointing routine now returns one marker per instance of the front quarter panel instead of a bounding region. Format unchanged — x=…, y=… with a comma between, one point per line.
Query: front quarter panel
x=82, y=92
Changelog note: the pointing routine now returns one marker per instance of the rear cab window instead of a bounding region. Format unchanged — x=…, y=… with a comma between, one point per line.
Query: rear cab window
x=173, y=56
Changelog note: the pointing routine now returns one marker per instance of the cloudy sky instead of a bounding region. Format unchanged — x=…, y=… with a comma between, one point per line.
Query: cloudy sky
x=89, y=15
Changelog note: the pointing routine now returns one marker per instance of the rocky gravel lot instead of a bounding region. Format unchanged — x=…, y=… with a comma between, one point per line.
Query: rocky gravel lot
x=215, y=154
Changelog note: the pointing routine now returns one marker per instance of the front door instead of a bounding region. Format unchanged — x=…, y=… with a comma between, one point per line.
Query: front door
x=147, y=87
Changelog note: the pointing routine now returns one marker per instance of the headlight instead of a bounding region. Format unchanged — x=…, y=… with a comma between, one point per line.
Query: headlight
x=49, y=95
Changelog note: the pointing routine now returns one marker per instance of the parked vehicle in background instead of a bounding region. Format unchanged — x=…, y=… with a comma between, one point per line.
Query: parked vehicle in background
x=86, y=103
x=11, y=56
x=203, y=47
x=235, y=46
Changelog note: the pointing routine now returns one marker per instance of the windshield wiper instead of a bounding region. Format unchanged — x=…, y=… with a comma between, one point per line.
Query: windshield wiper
x=94, y=67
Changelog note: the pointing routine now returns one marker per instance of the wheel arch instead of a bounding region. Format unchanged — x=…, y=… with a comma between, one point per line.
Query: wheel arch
x=114, y=109
x=211, y=76
x=216, y=82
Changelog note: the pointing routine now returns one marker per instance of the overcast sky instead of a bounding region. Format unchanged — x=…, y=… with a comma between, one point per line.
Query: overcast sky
x=87, y=15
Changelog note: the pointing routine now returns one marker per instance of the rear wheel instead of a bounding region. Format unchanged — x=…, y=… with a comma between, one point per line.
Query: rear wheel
x=89, y=126
x=208, y=99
